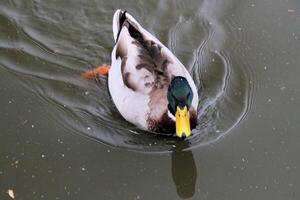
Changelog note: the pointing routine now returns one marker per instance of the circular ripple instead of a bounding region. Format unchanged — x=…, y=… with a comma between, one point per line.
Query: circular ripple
x=85, y=107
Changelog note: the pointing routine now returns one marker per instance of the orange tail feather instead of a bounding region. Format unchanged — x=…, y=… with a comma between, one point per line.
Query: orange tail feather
x=92, y=73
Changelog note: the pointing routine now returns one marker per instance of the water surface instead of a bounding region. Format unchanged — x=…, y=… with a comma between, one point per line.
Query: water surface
x=62, y=137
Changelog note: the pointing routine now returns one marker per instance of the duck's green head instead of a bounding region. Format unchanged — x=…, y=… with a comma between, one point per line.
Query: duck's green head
x=180, y=96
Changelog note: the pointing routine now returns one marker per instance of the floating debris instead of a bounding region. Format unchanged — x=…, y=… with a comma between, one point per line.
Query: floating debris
x=60, y=141
x=291, y=10
x=282, y=88
x=11, y=193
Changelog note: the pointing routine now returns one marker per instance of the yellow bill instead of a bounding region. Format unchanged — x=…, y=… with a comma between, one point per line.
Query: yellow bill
x=182, y=122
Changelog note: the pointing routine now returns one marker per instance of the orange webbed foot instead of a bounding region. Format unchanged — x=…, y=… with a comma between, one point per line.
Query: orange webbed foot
x=92, y=73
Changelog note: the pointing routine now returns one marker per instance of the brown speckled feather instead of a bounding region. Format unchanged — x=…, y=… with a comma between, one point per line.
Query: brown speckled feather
x=147, y=68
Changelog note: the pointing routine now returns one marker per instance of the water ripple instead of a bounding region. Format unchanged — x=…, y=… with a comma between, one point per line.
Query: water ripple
x=46, y=48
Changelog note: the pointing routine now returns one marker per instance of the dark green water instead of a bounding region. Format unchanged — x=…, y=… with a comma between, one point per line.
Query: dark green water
x=62, y=138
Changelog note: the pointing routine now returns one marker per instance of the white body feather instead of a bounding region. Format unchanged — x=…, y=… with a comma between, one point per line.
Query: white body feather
x=133, y=104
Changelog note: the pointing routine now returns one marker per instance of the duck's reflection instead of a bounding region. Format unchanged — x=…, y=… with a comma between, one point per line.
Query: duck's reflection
x=184, y=170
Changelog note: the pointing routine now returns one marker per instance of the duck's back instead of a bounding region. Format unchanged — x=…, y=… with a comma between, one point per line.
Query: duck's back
x=142, y=69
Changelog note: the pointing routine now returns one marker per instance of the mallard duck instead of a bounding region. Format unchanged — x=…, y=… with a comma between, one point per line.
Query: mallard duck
x=148, y=84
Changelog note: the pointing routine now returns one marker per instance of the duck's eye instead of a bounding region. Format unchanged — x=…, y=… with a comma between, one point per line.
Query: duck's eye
x=188, y=96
